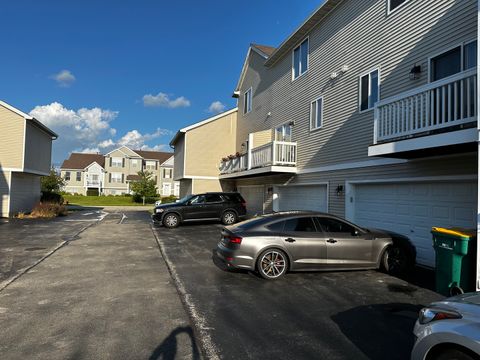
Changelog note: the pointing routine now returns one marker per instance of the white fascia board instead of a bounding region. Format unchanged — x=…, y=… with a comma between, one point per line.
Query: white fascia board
x=16, y=111
x=245, y=66
x=206, y=121
x=90, y=165
x=120, y=149
x=425, y=142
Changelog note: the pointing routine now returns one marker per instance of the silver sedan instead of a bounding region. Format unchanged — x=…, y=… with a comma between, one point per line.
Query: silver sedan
x=306, y=241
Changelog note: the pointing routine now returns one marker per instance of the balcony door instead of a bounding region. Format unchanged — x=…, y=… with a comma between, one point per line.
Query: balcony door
x=453, y=61
x=283, y=133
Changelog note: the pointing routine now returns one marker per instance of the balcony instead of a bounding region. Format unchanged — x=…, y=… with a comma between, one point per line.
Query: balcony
x=274, y=157
x=93, y=183
x=441, y=114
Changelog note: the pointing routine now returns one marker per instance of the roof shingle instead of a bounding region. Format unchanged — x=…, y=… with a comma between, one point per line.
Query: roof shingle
x=81, y=161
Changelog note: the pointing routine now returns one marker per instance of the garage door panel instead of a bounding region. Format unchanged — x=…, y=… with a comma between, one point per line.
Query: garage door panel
x=411, y=209
x=308, y=197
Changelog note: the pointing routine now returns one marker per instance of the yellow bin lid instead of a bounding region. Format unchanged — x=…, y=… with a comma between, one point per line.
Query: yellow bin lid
x=470, y=233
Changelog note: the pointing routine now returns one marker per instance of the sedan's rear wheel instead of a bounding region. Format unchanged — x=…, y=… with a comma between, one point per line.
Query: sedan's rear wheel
x=272, y=264
x=396, y=260
x=171, y=221
x=229, y=218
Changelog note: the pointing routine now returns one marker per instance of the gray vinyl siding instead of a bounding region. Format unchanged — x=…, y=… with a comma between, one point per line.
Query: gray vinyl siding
x=179, y=154
x=25, y=192
x=38, y=149
x=361, y=35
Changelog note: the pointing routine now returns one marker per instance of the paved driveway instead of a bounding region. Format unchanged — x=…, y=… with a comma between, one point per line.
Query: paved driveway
x=332, y=315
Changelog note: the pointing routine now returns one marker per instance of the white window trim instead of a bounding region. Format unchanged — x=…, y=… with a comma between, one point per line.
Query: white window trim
x=293, y=59
x=462, y=60
x=115, y=163
x=369, y=88
x=248, y=108
x=115, y=178
x=289, y=123
x=398, y=7
x=321, y=114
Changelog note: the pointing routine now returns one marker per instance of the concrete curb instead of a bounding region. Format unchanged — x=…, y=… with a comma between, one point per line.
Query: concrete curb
x=23, y=271
x=201, y=330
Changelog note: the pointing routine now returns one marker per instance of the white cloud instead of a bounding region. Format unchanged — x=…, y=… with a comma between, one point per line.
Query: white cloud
x=64, y=78
x=216, y=107
x=163, y=100
x=90, y=131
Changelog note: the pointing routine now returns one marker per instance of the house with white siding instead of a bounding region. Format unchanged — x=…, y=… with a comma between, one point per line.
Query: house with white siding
x=368, y=111
x=25, y=156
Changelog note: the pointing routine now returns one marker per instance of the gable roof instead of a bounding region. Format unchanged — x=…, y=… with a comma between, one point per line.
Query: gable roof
x=81, y=161
x=154, y=155
x=200, y=123
x=265, y=49
x=30, y=118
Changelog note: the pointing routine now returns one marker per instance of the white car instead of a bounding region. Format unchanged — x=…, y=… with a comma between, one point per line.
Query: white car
x=449, y=329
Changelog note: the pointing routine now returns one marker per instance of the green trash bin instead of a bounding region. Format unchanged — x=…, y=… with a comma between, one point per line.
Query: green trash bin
x=455, y=254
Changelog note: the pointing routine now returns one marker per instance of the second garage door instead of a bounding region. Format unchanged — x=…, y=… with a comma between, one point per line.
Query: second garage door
x=253, y=196
x=411, y=209
x=307, y=197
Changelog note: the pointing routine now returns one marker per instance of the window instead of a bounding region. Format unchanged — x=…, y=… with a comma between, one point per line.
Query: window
x=166, y=189
x=79, y=176
x=283, y=133
x=151, y=165
x=213, y=198
x=369, y=90
x=276, y=227
x=67, y=175
x=335, y=226
x=393, y=4
x=300, y=59
x=198, y=200
x=116, y=177
x=167, y=173
x=300, y=224
x=316, y=114
x=134, y=163
x=450, y=62
x=247, y=101
x=116, y=162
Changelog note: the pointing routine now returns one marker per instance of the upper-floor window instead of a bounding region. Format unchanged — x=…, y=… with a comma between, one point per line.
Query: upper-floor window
x=453, y=61
x=67, y=175
x=135, y=163
x=316, y=114
x=300, y=59
x=150, y=165
x=167, y=173
x=283, y=133
x=393, y=4
x=116, y=162
x=79, y=176
x=369, y=89
x=247, y=101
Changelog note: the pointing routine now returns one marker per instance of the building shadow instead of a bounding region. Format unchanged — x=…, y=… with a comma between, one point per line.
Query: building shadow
x=382, y=331
x=167, y=350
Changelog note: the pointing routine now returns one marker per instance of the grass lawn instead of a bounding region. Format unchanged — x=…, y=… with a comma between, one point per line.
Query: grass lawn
x=101, y=200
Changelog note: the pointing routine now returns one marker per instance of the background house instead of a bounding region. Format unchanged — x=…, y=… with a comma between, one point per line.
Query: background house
x=111, y=174
x=25, y=156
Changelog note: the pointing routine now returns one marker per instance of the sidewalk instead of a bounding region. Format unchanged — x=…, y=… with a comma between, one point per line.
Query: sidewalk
x=107, y=295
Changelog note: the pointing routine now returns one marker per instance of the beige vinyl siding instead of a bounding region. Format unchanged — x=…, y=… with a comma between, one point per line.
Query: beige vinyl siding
x=203, y=186
x=73, y=178
x=25, y=192
x=178, y=171
x=11, y=139
x=262, y=137
x=4, y=193
x=207, y=144
x=38, y=149
x=361, y=35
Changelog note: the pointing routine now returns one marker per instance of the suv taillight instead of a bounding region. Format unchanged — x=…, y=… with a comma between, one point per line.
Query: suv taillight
x=244, y=204
x=234, y=239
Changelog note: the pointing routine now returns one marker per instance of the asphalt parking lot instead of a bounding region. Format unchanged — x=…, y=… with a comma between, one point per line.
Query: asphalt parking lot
x=330, y=315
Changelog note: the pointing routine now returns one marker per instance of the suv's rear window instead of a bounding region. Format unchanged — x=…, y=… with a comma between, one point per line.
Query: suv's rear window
x=211, y=198
x=235, y=197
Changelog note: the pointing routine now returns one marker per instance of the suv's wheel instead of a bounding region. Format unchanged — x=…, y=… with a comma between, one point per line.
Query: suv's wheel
x=229, y=218
x=272, y=264
x=171, y=220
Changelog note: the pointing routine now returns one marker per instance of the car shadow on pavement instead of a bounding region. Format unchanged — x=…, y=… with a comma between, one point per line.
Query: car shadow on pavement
x=380, y=331
x=167, y=350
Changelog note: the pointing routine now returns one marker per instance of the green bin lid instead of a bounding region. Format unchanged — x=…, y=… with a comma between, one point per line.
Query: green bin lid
x=470, y=233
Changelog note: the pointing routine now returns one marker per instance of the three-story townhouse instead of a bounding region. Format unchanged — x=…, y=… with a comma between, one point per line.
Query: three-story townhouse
x=367, y=111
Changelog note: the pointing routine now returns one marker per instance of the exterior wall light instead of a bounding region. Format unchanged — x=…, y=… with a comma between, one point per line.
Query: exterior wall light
x=339, y=190
x=415, y=72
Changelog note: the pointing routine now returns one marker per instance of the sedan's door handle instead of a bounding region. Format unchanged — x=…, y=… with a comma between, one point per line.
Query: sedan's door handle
x=290, y=240
x=331, y=241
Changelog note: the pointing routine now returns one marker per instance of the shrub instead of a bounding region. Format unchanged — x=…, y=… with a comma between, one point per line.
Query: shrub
x=169, y=199
x=148, y=199
x=52, y=197
x=48, y=210
x=92, y=192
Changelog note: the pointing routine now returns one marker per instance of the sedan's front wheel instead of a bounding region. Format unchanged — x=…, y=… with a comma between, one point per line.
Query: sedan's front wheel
x=272, y=264
x=396, y=260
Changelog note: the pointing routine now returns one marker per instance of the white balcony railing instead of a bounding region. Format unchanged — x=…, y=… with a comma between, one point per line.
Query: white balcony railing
x=93, y=183
x=440, y=104
x=276, y=153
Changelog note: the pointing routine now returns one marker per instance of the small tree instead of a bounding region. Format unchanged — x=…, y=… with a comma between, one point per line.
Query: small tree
x=52, y=183
x=145, y=187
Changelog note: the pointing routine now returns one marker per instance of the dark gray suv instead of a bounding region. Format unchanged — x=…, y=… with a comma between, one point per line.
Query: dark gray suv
x=227, y=207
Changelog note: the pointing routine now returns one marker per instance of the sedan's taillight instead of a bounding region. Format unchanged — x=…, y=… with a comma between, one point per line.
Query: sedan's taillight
x=234, y=239
x=428, y=315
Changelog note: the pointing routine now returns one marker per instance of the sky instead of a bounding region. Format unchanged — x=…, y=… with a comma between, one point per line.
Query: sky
x=108, y=73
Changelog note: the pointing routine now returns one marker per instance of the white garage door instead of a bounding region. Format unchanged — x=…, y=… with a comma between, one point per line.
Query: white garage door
x=411, y=209
x=253, y=196
x=311, y=197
